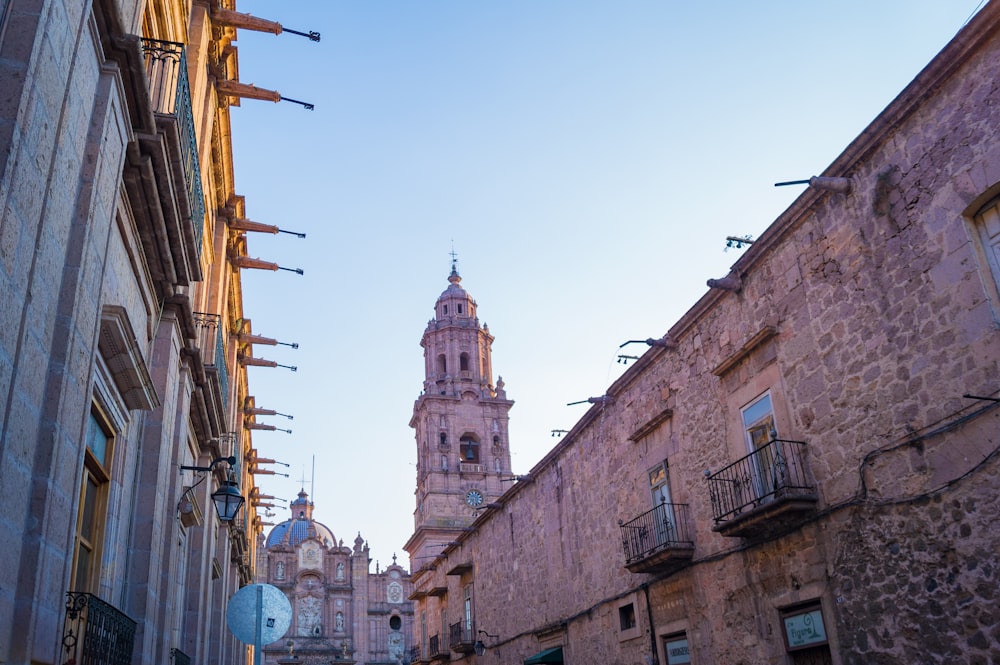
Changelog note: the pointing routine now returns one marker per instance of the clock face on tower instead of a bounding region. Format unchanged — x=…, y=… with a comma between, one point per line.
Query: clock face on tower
x=474, y=498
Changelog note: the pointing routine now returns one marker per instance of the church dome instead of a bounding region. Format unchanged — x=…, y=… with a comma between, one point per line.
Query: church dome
x=301, y=526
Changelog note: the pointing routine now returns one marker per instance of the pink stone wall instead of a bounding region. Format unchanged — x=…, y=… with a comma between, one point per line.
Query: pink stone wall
x=881, y=324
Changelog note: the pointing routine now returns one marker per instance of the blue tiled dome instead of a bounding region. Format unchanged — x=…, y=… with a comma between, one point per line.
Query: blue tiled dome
x=301, y=526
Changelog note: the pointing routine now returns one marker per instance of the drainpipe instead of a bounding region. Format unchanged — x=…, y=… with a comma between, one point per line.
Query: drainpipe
x=652, y=630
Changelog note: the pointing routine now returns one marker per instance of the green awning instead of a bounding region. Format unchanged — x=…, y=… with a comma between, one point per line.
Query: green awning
x=553, y=655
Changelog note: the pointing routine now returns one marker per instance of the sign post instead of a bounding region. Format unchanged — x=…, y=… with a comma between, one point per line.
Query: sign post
x=258, y=614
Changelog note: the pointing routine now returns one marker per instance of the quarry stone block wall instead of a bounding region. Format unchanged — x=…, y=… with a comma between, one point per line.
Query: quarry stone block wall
x=866, y=317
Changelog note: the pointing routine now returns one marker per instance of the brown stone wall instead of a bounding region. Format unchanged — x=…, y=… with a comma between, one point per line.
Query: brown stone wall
x=916, y=580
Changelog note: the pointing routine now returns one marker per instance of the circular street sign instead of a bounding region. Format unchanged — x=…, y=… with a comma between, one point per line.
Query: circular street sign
x=261, y=601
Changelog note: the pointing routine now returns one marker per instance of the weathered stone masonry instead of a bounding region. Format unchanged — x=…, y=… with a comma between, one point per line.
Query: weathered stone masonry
x=865, y=316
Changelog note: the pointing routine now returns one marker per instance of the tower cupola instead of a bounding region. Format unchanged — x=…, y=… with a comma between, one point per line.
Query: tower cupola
x=455, y=304
x=456, y=349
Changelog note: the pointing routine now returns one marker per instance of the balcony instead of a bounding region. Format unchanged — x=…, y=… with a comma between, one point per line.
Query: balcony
x=178, y=657
x=463, y=637
x=96, y=633
x=659, y=540
x=239, y=553
x=417, y=657
x=436, y=650
x=213, y=358
x=170, y=97
x=764, y=492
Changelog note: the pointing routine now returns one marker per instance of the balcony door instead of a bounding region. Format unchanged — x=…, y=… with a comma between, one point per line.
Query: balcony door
x=90, y=522
x=758, y=424
x=665, y=522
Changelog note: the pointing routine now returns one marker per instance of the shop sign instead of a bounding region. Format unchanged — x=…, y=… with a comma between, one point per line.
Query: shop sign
x=677, y=651
x=805, y=629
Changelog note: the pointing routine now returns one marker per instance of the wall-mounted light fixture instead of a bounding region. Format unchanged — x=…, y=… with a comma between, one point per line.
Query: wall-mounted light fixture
x=479, y=646
x=737, y=242
x=227, y=498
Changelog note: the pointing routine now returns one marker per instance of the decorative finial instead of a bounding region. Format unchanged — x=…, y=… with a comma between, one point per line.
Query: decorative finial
x=454, y=259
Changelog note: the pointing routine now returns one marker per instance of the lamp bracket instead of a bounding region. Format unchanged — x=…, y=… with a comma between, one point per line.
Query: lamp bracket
x=231, y=460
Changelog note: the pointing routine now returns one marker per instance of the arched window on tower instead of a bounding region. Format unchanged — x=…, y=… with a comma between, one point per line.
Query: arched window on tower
x=463, y=362
x=443, y=439
x=469, y=450
x=442, y=365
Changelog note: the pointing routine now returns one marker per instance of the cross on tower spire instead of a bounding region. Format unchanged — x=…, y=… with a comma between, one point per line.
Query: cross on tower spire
x=454, y=259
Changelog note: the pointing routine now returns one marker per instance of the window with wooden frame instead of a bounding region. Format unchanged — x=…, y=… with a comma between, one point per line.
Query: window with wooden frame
x=986, y=230
x=467, y=608
x=92, y=514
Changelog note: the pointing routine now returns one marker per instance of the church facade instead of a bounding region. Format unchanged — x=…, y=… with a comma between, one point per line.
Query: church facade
x=341, y=611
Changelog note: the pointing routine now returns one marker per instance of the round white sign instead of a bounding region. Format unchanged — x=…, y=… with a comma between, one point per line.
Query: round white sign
x=259, y=607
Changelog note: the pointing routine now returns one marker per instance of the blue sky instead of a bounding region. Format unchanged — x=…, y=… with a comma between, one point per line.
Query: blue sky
x=585, y=159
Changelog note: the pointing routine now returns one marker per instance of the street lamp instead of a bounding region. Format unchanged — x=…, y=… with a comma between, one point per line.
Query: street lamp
x=227, y=498
x=479, y=647
x=228, y=501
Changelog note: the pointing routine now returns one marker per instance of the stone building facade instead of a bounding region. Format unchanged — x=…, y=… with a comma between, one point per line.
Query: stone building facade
x=122, y=334
x=804, y=468
x=341, y=611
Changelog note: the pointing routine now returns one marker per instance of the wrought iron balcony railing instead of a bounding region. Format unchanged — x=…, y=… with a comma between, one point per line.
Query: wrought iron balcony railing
x=416, y=656
x=170, y=94
x=179, y=657
x=772, y=475
x=436, y=650
x=213, y=351
x=658, y=536
x=463, y=637
x=96, y=633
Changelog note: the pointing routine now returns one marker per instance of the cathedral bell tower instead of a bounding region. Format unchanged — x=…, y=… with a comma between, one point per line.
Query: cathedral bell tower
x=460, y=421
